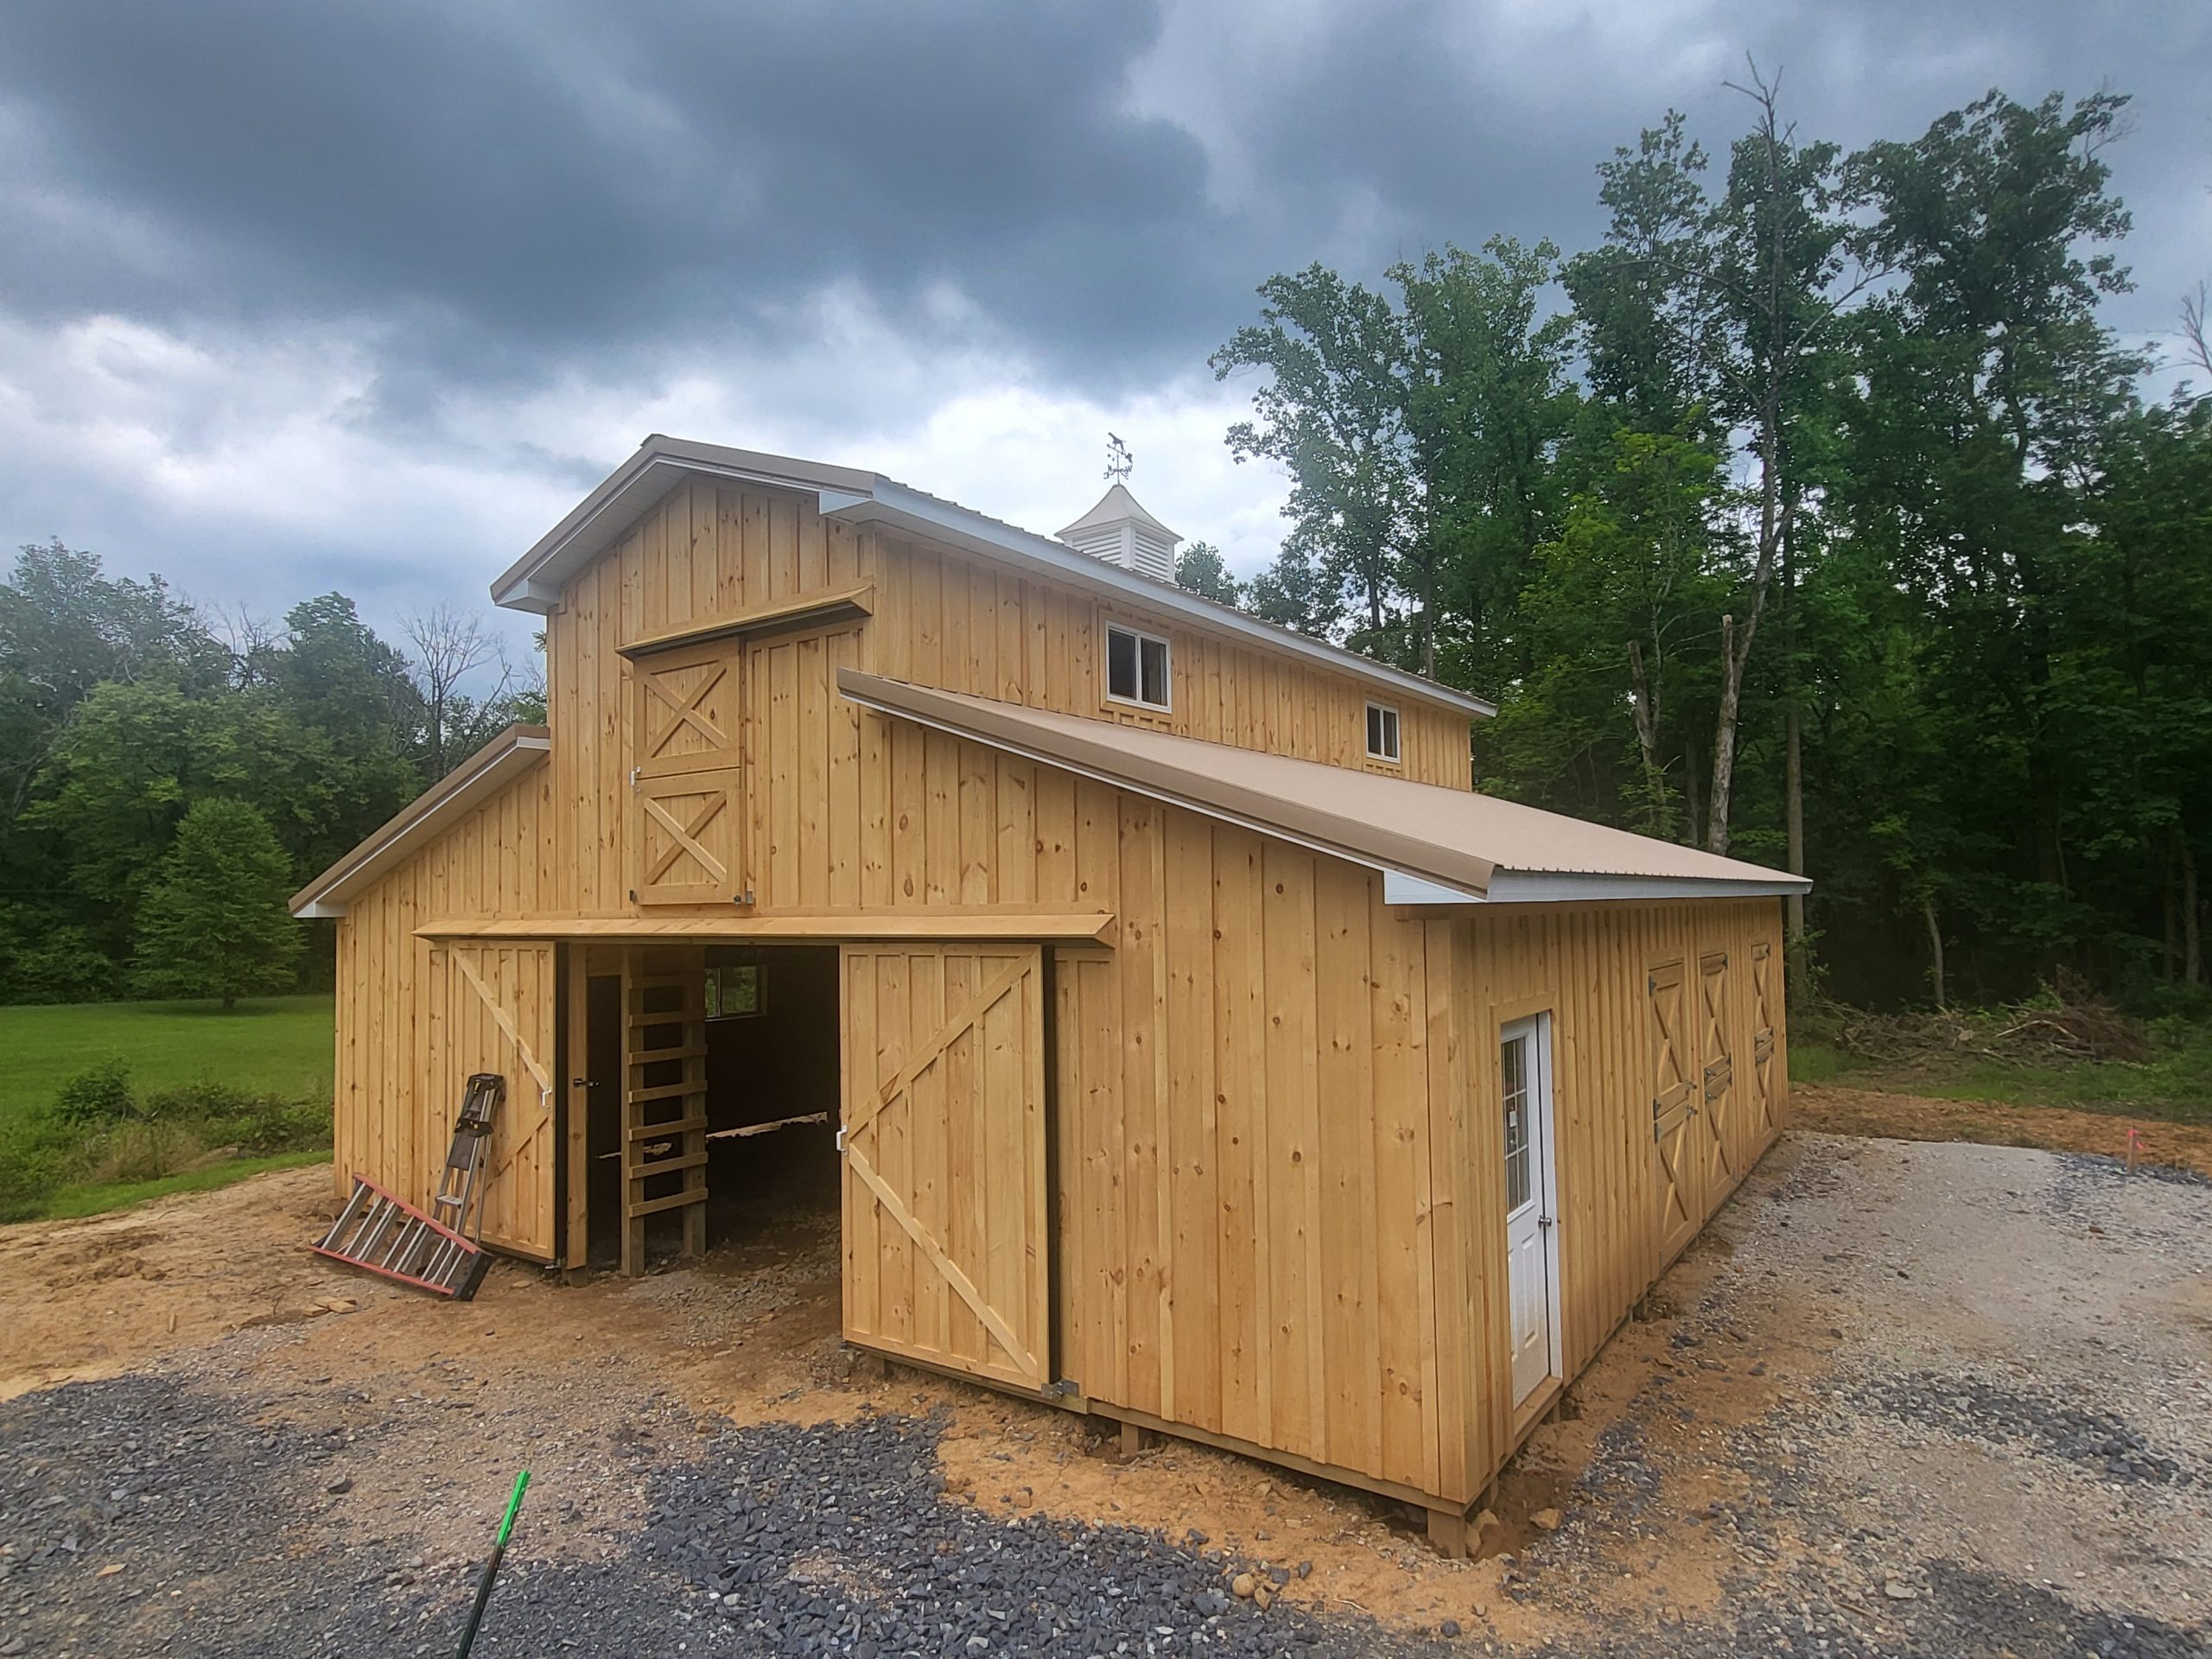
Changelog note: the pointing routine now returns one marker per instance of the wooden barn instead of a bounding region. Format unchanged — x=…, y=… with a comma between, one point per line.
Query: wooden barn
x=1185, y=1039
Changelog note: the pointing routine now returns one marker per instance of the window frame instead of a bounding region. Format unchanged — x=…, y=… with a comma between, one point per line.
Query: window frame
x=1394, y=723
x=1108, y=628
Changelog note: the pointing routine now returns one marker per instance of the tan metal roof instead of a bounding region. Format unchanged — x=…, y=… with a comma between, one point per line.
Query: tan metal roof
x=1471, y=846
x=460, y=792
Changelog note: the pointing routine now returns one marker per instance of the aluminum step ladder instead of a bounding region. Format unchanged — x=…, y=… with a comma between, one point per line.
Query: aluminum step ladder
x=386, y=1235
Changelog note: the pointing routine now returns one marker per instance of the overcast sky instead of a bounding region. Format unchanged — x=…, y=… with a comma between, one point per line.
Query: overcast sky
x=295, y=296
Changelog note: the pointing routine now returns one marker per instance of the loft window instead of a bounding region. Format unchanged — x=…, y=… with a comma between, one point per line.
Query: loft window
x=1136, y=667
x=1382, y=732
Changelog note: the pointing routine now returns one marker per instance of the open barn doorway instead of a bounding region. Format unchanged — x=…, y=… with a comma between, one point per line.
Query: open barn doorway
x=706, y=1079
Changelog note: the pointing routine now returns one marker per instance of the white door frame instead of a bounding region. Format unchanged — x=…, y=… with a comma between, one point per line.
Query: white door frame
x=1543, y=1146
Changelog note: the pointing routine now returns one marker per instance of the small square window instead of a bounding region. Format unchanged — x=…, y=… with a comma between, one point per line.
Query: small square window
x=1382, y=732
x=1137, y=667
x=734, y=991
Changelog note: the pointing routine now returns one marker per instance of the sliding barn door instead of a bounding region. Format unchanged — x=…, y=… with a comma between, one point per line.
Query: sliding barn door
x=497, y=1005
x=943, y=1148
x=1679, y=1207
x=686, y=847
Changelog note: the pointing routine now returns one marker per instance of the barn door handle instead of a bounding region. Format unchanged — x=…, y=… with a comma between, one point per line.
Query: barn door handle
x=583, y=1082
x=841, y=1140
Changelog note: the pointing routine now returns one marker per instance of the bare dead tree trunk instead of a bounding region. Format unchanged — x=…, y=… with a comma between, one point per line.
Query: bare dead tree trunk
x=2192, y=932
x=1792, y=771
x=1793, y=812
x=1693, y=795
x=1934, y=949
x=1644, y=704
x=2170, y=952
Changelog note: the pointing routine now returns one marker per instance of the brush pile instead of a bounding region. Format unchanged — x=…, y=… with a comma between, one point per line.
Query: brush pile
x=2069, y=1022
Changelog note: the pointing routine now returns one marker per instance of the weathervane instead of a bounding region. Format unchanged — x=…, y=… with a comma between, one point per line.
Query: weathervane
x=1119, y=460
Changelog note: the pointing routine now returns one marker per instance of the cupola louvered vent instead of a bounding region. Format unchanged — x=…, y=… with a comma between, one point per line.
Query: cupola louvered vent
x=1121, y=533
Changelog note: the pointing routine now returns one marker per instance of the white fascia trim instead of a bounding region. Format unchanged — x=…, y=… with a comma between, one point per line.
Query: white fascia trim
x=1561, y=887
x=1399, y=888
x=320, y=909
x=895, y=504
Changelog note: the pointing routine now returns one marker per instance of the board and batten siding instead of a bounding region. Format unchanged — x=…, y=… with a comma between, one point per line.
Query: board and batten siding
x=413, y=1020
x=1280, y=1205
x=819, y=830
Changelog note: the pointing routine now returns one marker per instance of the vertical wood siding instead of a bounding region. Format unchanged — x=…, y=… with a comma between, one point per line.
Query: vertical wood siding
x=412, y=1027
x=814, y=772
x=1282, y=1180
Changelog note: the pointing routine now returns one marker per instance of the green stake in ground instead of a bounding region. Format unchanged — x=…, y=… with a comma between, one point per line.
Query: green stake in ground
x=492, y=1566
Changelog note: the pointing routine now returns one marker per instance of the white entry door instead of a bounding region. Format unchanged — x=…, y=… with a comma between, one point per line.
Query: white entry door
x=1524, y=1062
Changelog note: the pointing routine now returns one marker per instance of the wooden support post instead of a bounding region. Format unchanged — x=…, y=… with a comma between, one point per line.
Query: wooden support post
x=1136, y=1439
x=1447, y=1531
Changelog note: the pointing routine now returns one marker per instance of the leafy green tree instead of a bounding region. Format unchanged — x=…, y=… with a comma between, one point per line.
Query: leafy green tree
x=65, y=628
x=1987, y=379
x=1490, y=408
x=214, y=923
x=1332, y=411
x=1200, y=568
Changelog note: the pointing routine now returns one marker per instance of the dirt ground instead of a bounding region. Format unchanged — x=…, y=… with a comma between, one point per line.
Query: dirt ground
x=1915, y=1117
x=1875, y=1368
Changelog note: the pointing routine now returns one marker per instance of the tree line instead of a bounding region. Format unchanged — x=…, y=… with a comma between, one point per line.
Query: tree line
x=1815, y=515
x=168, y=775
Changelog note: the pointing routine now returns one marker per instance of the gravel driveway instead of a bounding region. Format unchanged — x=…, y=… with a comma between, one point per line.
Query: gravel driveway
x=1904, y=1399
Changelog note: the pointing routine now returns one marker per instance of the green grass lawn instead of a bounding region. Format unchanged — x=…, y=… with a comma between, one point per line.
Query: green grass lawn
x=255, y=1082
x=279, y=1045
x=2175, y=1083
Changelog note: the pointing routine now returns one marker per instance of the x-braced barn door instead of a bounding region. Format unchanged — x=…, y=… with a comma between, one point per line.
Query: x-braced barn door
x=688, y=844
x=1681, y=1198
x=1725, y=1156
x=1767, y=1120
x=664, y=1097
x=943, y=1146
x=497, y=1012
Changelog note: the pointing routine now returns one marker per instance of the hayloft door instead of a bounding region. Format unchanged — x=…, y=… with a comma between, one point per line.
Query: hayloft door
x=685, y=779
x=1531, y=1225
x=943, y=1139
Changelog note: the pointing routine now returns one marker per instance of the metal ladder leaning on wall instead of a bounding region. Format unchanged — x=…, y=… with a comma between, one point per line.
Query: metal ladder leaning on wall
x=439, y=1252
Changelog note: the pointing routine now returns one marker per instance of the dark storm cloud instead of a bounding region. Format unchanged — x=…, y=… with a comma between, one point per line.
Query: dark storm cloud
x=296, y=292
x=513, y=186
x=534, y=178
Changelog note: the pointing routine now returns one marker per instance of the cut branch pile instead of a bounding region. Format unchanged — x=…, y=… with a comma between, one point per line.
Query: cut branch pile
x=2071, y=1023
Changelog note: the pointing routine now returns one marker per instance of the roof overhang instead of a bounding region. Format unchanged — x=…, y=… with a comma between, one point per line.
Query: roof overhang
x=535, y=582
x=1450, y=872
x=460, y=792
x=1352, y=815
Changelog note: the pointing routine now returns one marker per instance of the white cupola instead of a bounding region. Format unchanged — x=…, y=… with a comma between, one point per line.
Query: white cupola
x=1122, y=532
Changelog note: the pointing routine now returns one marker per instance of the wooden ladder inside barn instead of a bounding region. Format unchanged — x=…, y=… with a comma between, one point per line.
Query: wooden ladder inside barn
x=664, y=1108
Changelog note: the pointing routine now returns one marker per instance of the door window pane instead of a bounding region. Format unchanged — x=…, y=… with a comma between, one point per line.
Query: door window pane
x=1513, y=1069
